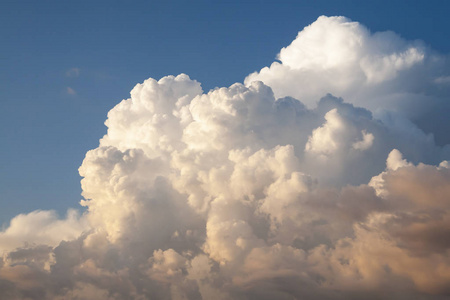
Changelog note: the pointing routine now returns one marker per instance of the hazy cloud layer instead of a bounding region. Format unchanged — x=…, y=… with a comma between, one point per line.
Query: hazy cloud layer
x=70, y=91
x=240, y=194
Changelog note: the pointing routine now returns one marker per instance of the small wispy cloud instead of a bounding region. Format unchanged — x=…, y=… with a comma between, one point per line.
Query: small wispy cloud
x=73, y=72
x=70, y=91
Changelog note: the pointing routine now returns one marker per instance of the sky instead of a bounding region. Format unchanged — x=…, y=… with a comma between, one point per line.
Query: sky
x=264, y=149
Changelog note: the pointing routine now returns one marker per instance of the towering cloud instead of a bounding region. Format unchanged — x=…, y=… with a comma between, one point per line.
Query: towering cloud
x=276, y=189
x=378, y=71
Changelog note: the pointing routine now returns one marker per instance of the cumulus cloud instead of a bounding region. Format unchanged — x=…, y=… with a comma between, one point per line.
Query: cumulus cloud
x=378, y=71
x=245, y=192
x=41, y=227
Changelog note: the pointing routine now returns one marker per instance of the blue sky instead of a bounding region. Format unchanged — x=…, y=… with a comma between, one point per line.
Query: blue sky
x=101, y=49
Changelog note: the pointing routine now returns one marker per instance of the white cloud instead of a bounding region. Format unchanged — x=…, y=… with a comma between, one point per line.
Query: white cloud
x=239, y=194
x=325, y=140
x=365, y=143
x=372, y=70
x=41, y=227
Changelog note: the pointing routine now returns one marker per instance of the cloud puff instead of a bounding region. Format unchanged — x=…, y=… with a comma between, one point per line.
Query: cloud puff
x=378, y=71
x=41, y=227
x=240, y=194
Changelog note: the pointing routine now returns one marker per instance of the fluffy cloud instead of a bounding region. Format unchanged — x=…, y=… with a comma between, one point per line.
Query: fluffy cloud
x=42, y=227
x=247, y=193
x=378, y=71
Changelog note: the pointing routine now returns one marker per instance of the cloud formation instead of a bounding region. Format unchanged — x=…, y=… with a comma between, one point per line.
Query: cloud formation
x=246, y=192
x=378, y=71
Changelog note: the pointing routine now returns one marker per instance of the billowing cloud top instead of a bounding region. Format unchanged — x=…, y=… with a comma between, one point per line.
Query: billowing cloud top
x=379, y=71
x=247, y=193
